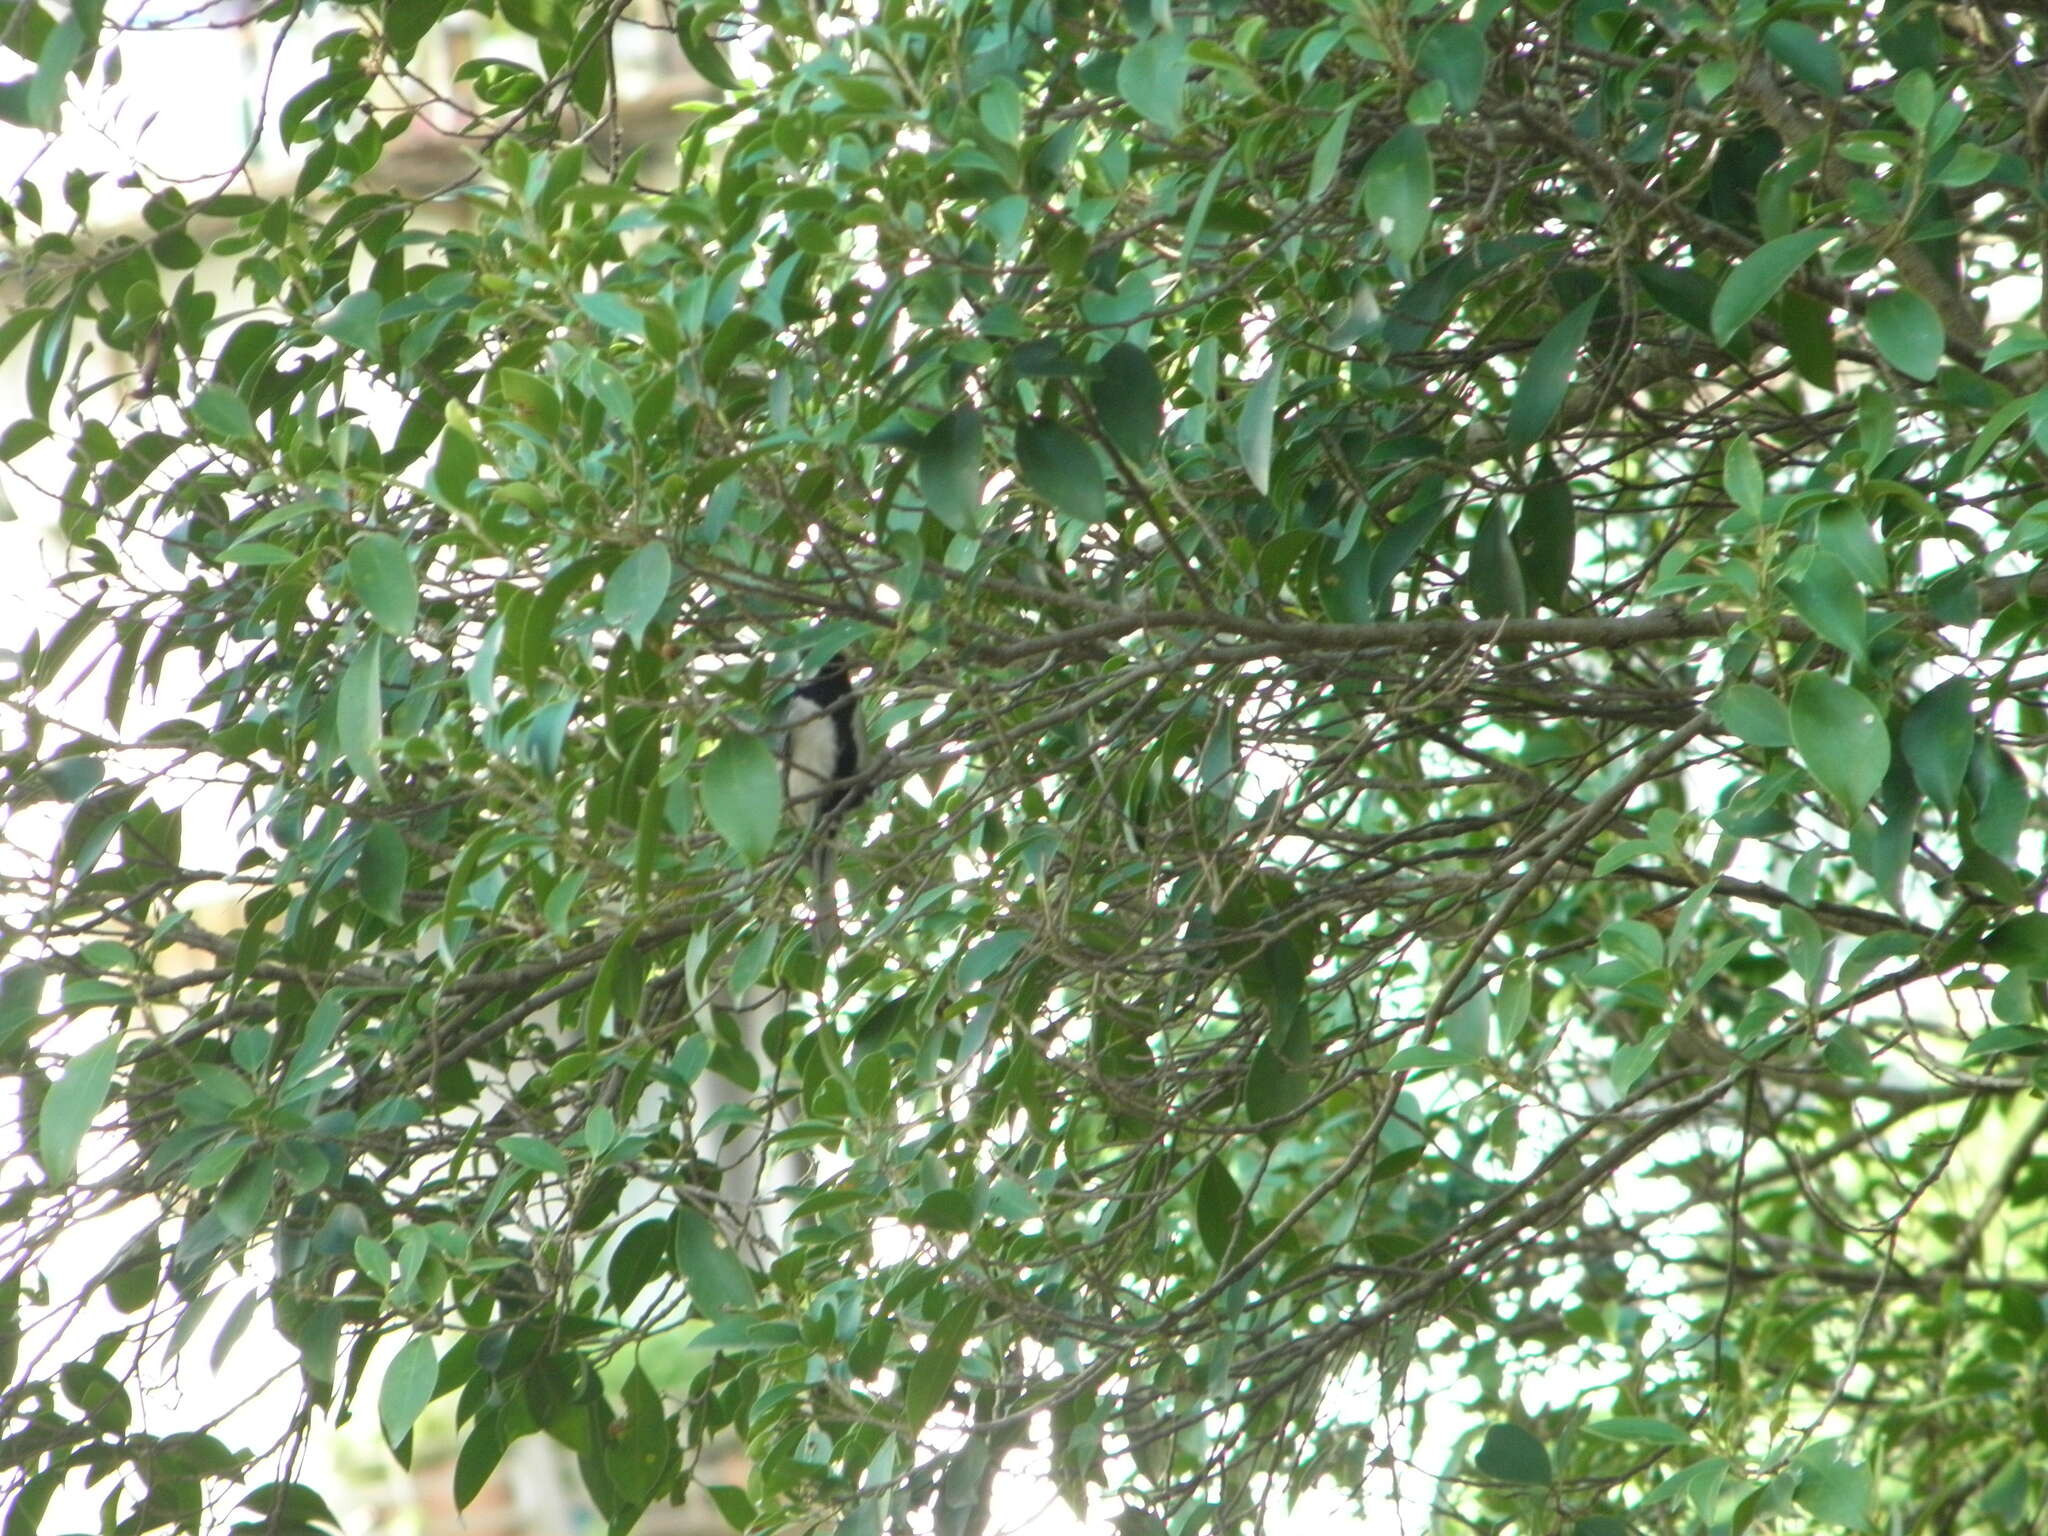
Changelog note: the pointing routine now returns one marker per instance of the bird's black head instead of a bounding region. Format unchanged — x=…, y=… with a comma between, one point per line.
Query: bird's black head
x=830, y=683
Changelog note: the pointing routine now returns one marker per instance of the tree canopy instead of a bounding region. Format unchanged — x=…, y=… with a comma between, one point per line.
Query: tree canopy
x=1446, y=597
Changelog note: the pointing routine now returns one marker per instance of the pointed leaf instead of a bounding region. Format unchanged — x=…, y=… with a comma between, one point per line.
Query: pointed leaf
x=1059, y=465
x=1828, y=598
x=1219, y=1210
x=1323, y=165
x=1938, y=737
x=359, y=712
x=1639, y=1431
x=1835, y=1491
x=1546, y=535
x=1839, y=737
x=355, y=320
x=381, y=870
x=741, y=787
x=1455, y=53
x=1494, y=572
x=636, y=588
x=1255, y=428
x=717, y=1282
x=1129, y=400
x=1153, y=77
x=1756, y=279
x=1546, y=377
x=70, y=1105
x=1400, y=186
x=1807, y=54
x=931, y=1375
x=380, y=574
x=407, y=1389
x=949, y=470
x=222, y=413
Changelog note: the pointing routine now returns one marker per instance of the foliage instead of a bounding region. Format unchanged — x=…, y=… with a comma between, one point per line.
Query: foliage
x=1451, y=596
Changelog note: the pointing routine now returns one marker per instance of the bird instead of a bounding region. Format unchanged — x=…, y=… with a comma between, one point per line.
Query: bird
x=823, y=754
x=823, y=749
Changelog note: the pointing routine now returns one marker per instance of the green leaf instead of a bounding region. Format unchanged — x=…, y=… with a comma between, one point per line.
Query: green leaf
x=1835, y=1491
x=70, y=1105
x=740, y=785
x=1255, y=427
x=407, y=1388
x=381, y=868
x=1754, y=714
x=636, y=589
x=2021, y=942
x=1807, y=54
x=636, y=1260
x=1400, y=189
x=1129, y=400
x=716, y=1280
x=1546, y=377
x=1153, y=77
x=137, y=1274
x=1907, y=332
x=945, y=1210
x=1329, y=152
x=1546, y=535
x=1455, y=53
x=482, y=1449
x=1756, y=279
x=1807, y=326
x=2010, y=1039
x=380, y=573
x=613, y=312
x=1058, y=464
x=949, y=470
x=1839, y=737
x=59, y=50
x=1828, y=598
x=1513, y=1455
x=452, y=480
x=359, y=712
x=21, y=1003
x=221, y=413
x=1701, y=1483
x=1938, y=737
x=531, y=1152
x=1493, y=571
x=1219, y=1211
x=1639, y=1431
x=355, y=320
x=931, y=1375
x=1742, y=475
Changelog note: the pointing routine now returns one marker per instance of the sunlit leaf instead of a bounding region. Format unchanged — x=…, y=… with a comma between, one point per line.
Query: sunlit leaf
x=407, y=1389
x=73, y=1101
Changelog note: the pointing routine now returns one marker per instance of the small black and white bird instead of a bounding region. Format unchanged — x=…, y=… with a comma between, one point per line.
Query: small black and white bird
x=824, y=753
x=823, y=750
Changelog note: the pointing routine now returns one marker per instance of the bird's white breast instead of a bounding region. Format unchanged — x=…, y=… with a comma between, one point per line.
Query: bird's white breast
x=810, y=756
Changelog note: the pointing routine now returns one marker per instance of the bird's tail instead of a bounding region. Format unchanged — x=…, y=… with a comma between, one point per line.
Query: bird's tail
x=825, y=899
